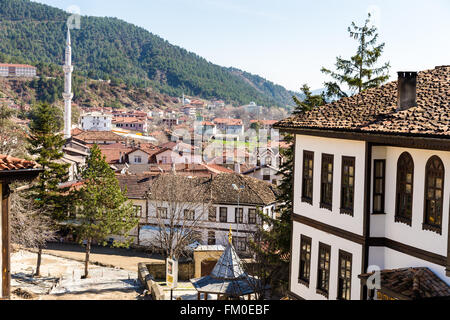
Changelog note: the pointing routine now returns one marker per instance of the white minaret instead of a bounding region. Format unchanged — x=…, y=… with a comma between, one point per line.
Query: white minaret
x=68, y=95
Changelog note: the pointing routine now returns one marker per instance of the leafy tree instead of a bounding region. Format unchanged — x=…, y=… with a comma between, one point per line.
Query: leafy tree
x=102, y=208
x=359, y=72
x=45, y=144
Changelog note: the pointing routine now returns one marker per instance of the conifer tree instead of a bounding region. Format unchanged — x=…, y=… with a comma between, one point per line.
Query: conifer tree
x=45, y=144
x=103, y=208
x=272, y=246
x=359, y=72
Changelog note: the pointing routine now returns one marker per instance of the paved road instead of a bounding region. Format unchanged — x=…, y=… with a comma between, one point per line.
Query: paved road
x=126, y=259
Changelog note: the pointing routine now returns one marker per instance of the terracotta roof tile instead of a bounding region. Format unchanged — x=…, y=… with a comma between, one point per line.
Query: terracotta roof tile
x=99, y=135
x=374, y=110
x=230, y=122
x=8, y=163
x=137, y=185
x=413, y=283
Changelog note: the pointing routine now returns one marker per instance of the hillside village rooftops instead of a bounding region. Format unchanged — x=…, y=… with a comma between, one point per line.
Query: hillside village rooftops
x=375, y=110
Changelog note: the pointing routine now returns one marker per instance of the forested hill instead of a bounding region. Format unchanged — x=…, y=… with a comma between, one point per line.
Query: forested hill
x=109, y=48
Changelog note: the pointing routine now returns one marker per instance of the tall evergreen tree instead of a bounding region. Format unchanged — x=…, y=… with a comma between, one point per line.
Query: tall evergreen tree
x=359, y=72
x=45, y=144
x=103, y=208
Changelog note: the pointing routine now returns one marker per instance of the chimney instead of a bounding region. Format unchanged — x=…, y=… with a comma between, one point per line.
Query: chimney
x=406, y=87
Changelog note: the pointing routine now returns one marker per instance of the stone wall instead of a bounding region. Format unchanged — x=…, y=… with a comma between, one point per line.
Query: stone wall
x=158, y=270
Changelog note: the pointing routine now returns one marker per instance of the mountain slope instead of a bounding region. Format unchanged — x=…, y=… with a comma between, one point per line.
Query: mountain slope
x=106, y=48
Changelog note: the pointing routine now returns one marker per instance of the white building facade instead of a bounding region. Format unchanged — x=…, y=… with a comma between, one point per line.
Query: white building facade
x=372, y=194
x=96, y=121
x=17, y=70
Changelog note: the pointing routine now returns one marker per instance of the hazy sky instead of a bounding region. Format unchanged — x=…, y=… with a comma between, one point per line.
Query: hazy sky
x=287, y=41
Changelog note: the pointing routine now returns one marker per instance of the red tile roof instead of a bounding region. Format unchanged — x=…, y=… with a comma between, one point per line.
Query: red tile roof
x=76, y=132
x=264, y=122
x=99, y=135
x=16, y=65
x=8, y=163
x=148, y=148
x=112, y=152
x=230, y=122
x=374, y=110
x=412, y=283
x=128, y=120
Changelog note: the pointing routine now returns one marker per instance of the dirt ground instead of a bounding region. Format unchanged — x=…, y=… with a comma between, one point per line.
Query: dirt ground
x=104, y=256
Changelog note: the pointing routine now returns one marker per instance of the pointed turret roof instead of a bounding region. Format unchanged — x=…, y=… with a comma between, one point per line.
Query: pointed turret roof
x=228, y=277
x=229, y=266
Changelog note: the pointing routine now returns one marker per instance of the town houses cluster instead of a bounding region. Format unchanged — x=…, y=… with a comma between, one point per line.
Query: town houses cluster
x=370, y=188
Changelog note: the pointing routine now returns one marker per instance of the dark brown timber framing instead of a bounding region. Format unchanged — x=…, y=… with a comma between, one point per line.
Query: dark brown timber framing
x=329, y=229
x=373, y=242
x=414, y=141
x=6, y=177
x=6, y=262
x=409, y=250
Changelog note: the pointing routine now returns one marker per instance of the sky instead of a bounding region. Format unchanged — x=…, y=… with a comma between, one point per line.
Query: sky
x=287, y=41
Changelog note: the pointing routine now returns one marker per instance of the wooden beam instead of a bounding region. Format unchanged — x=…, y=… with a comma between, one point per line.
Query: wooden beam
x=6, y=262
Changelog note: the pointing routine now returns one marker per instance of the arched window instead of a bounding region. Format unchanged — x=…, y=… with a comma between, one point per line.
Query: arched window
x=404, y=193
x=434, y=190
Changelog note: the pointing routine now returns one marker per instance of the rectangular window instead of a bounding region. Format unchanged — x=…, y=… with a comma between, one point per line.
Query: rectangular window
x=137, y=159
x=212, y=214
x=305, y=260
x=161, y=213
x=344, y=275
x=223, y=214
x=189, y=214
x=240, y=243
x=379, y=171
x=138, y=211
x=252, y=216
x=211, y=238
x=307, y=180
x=347, y=185
x=323, y=270
x=326, y=186
x=239, y=215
